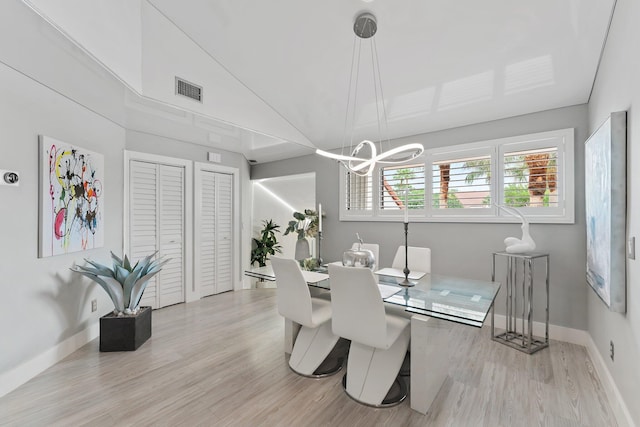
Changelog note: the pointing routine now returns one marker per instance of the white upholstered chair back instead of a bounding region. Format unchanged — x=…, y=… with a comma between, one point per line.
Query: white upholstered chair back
x=292, y=293
x=357, y=307
x=419, y=259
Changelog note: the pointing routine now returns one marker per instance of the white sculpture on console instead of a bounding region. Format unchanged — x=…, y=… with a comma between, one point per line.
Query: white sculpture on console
x=513, y=244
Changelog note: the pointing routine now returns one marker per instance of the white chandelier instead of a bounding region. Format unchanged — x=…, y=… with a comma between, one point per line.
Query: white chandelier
x=364, y=27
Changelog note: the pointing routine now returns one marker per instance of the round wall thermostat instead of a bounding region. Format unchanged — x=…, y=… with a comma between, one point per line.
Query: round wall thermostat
x=10, y=177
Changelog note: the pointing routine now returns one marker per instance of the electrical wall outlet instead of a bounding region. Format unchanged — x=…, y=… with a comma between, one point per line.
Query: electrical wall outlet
x=94, y=305
x=611, y=350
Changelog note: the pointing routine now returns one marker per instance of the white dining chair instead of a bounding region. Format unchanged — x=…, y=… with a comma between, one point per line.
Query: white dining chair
x=315, y=339
x=379, y=340
x=419, y=259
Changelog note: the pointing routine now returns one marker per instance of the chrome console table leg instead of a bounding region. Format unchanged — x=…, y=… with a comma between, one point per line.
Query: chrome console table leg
x=520, y=281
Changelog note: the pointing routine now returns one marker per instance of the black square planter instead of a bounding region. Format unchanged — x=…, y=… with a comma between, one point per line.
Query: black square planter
x=125, y=333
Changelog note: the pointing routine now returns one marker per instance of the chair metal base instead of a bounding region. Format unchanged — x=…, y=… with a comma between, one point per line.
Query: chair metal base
x=395, y=396
x=405, y=370
x=333, y=363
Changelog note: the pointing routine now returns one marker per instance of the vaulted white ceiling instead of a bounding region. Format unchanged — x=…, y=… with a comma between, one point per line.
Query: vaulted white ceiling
x=276, y=73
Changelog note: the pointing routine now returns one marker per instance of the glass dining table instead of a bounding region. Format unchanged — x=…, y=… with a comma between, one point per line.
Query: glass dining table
x=455, y=299
x=433, y=303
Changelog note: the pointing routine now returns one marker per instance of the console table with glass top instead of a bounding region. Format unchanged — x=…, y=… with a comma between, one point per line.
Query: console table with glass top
x=432, y=304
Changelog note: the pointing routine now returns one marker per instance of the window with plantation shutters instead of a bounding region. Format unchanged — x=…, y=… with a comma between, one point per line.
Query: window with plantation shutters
x=531, y=178
x=402, y=184
x=469, y=182
x=358, y=193
x=461, y=183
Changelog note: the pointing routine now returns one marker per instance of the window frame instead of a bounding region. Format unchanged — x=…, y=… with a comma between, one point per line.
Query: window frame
x=563, y=139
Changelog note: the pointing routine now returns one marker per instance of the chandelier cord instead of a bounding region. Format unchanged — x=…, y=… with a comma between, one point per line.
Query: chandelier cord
x=358, y=42
x=375, y=92
x=346, y=116
x=384, y=107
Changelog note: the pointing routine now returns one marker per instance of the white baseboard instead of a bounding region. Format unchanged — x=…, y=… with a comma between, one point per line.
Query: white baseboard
x=620, y=410
x=558, y=333
x=13, y=379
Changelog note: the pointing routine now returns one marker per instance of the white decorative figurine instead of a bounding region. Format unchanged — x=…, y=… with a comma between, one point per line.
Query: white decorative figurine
x=513, y=244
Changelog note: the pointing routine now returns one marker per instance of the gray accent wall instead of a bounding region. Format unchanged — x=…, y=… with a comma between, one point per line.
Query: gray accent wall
x=464, y=249
x=48, y=87
x=617, y=89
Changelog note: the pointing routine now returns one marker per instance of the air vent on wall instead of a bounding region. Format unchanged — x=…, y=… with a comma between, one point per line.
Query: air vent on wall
x=188, y=89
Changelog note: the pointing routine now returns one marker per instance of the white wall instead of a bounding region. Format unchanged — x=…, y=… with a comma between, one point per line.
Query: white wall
x=109, y=29
x=43, y=304
x=617, y=88
x=168, y=53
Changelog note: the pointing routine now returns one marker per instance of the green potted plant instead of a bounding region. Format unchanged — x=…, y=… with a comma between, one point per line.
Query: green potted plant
x=266, y=245
x=305, y=224
x=129, y=325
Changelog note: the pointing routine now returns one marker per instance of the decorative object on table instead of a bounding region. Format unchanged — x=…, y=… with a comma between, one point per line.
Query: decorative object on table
x=306, y=225
x=302, y=250
x=365, y=26
x=71, y=198
x=359, y=257
x=513, y=244
x=129, y=325
x=373, y=247
x=266, y=245
x=406, y=270
x=605, y=194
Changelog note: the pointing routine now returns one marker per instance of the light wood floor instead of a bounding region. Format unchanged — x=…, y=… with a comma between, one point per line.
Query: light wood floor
x=220, y=362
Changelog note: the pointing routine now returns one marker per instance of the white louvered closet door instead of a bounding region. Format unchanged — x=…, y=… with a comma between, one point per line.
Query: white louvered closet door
x=143, y=214
x=157, y=223
x=216, y=224
x=171, y=242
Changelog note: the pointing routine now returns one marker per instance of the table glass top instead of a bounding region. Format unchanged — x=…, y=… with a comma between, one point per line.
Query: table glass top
x=455, y=299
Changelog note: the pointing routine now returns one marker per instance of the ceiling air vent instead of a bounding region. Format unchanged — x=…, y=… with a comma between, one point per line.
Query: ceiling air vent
x=189, y=90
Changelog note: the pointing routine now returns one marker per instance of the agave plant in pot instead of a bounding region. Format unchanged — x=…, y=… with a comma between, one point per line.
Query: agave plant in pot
x=129, y=325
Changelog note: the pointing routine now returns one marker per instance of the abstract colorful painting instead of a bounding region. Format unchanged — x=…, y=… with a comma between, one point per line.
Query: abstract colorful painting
x=605, y=197
x=71, y=198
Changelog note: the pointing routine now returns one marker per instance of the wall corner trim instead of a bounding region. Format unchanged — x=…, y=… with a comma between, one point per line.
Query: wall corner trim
x=14, y=378
x=618, y=405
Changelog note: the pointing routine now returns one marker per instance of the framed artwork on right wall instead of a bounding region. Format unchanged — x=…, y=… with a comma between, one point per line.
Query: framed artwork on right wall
x=606, y=207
